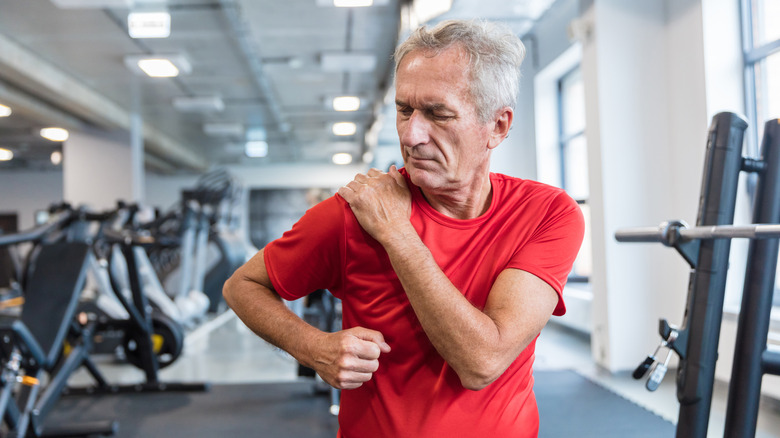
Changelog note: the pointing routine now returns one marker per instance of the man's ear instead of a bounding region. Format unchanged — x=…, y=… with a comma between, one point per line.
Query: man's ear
x=501, y=125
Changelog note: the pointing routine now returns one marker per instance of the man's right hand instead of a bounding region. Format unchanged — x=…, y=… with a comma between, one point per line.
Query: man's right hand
x=348, y=358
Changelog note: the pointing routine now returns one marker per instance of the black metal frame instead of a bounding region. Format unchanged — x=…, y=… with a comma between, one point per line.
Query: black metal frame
x=706, y=249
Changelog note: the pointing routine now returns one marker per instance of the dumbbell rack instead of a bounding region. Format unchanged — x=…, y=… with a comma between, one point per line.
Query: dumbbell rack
x=706, y=249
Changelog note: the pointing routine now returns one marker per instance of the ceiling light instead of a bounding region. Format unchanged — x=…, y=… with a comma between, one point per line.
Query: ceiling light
x=54, y=134
x=6, y=155
x=5, y=111
x=149, y=24
x=92, y=4
x=342, y=158
x=158, y=66
x=256, y=149
x=56, y=158
x=217, y=129
x=348, y=62
x=199, y=104
x=426, y=10
x=346, y=103
x=344, y=128
x=352, y=3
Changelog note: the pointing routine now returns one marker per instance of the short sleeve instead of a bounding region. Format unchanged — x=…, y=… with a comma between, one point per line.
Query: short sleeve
x=308, y=256
x=550, y=252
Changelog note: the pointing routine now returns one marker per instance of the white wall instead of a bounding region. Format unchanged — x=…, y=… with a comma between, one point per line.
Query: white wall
x=25, y=192
x=98, y=169
x=630, y=83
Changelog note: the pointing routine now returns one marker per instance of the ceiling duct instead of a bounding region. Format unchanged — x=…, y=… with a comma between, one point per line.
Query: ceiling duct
x=199, y=104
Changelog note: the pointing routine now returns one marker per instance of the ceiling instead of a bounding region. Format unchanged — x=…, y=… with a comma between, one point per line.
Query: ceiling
x=269, y=63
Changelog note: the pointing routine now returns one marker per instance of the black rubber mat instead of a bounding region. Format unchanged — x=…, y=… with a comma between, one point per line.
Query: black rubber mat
x=569, y=406
x=573, y=406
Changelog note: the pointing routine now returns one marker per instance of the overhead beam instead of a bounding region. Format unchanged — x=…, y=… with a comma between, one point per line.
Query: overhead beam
x=27, y=70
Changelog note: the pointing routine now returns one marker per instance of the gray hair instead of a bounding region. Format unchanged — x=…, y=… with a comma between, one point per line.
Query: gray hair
x=495, y=54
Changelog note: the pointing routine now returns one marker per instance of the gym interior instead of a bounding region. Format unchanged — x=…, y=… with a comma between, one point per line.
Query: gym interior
x=128, y=197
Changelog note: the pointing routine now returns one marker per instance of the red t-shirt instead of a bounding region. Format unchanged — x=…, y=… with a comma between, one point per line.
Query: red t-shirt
x=529, y=226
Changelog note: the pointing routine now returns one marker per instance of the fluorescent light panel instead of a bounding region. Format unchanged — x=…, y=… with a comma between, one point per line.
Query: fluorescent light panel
x=6, y=155
x=351, y=3
x=341, y=158
x=149, y=24
x=346, y=103
x=5, y=111
x=159, y=65
x=344, y=128
x=256, y=149
x=92, y=4
x=428, y=9
x=158, y=68
x=55, y=134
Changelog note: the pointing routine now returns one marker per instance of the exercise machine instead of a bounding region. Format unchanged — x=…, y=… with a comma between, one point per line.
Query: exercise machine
x=32, y=345
x=705, y=247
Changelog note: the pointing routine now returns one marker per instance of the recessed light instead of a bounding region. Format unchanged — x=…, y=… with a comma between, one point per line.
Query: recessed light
x=346, y=103
x=352, y=3
x=149, y=24
x=6, y=155
x=55, y=134
x=5, y=111
x=341, y=158
x=159, y=66
x=56, y=158
x=256, y=149
x=344, y=128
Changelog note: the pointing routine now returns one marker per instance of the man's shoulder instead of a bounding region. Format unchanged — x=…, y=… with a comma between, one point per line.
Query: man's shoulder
x=524, y=187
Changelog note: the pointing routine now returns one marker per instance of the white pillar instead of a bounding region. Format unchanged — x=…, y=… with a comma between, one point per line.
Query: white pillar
x=100, y=168
x=646, y=128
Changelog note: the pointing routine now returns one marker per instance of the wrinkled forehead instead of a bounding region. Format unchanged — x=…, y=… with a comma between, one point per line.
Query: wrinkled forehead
x=429, y=59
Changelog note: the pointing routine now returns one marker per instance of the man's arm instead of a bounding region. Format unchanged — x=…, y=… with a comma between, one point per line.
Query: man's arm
x=345, y=359
x=478, y=344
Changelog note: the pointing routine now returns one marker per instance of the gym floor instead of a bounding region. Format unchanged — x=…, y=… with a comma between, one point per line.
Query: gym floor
x=224, y=351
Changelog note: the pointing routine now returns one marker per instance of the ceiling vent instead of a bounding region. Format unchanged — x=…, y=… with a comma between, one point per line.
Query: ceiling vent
x=92, y=4
x=199, y=104
x=348, y=62
x=223, y=129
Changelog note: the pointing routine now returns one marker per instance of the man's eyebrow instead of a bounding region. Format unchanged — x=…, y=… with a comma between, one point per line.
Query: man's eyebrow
x=426, y=107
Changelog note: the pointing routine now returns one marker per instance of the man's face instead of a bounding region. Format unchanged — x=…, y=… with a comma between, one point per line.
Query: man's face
x=443, y=143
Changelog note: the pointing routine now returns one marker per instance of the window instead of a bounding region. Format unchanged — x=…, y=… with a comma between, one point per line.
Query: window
x=574, y=159
x=761, y=43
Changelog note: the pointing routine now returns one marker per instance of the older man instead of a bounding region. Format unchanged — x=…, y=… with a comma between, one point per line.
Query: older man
x=447, y=272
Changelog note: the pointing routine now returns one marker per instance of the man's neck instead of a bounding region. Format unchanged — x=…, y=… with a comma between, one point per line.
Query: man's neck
x=468, y=203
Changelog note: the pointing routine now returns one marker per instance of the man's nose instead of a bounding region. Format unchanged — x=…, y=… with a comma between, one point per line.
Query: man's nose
x=416, y=130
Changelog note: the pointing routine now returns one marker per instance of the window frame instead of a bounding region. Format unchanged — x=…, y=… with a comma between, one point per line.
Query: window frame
x=563, y=141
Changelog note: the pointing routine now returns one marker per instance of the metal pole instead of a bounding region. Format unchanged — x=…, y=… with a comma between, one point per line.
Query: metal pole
x=661, y=233
x=706, y=288
x=750, y=362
